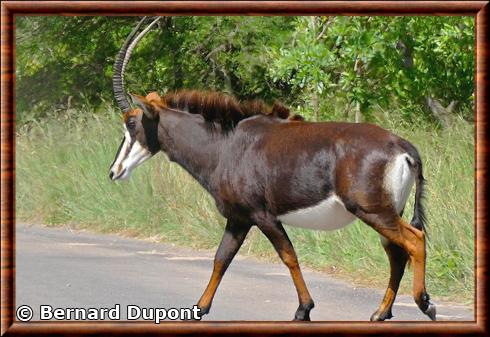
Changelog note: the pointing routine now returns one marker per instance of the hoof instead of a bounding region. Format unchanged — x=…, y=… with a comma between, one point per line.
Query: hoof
x=431, y=311
x=377, y=316
x=305, y=318
x=203, y=311
x=303, y=312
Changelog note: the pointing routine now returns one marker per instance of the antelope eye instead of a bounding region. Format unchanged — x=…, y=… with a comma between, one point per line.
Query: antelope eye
x=131, y=124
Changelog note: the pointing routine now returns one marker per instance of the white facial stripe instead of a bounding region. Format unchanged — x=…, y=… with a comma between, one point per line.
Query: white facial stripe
x=130, y=156
x=136, y=156
x=124, y=150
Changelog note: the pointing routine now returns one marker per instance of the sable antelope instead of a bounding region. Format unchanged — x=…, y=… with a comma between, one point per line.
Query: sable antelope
x=263, y=169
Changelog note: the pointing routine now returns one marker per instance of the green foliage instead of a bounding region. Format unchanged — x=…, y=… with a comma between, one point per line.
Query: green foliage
x=321, y=66
x=62, y=178
x=60, y=57
x=381, y=61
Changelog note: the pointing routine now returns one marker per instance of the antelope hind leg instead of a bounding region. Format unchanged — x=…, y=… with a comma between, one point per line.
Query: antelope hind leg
x=398, y=260
x=412, y=240
x=416, y=238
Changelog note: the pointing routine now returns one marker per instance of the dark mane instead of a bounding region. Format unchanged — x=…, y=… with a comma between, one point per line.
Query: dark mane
x=221, y=108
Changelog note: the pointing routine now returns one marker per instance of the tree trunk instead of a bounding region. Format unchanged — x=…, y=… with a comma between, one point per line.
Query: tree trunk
x=442, y=114
x=357, y=117
x=314, y=90
x=314, y=103
x=357, y=69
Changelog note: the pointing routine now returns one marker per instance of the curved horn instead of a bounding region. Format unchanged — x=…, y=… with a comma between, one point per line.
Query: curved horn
x=135, y=42
x=120, y=65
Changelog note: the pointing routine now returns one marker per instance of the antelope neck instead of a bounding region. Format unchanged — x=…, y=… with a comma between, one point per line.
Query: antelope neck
x=191, y=143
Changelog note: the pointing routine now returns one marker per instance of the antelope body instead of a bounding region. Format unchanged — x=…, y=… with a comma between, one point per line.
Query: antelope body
x=263, y=168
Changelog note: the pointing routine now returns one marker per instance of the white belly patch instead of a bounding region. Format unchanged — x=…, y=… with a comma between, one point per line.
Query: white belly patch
x=329, y=214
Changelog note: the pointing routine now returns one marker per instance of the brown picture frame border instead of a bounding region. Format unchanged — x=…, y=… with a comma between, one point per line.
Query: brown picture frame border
x=10, y=9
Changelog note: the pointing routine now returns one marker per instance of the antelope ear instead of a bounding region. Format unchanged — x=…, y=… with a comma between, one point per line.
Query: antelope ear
x=153, y=97
x=142, y=103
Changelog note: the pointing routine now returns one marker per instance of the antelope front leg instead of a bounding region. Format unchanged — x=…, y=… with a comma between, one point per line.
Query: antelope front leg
x=276, y=234
x=231, y=242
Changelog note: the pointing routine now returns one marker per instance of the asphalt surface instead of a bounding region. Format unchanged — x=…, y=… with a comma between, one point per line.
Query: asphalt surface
x=65, y=268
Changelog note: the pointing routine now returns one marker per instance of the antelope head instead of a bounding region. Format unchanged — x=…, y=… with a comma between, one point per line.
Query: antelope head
x=140, y=123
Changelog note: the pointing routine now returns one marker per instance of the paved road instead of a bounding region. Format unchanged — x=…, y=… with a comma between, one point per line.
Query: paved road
x=65, y=268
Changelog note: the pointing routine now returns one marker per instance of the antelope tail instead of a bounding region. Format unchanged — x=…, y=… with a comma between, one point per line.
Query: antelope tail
x=419, y=218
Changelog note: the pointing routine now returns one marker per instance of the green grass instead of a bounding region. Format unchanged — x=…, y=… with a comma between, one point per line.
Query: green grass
x=62, y=178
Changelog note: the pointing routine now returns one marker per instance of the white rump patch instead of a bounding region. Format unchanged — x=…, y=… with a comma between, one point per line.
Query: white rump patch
x=399, y=180
x=329, y=214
